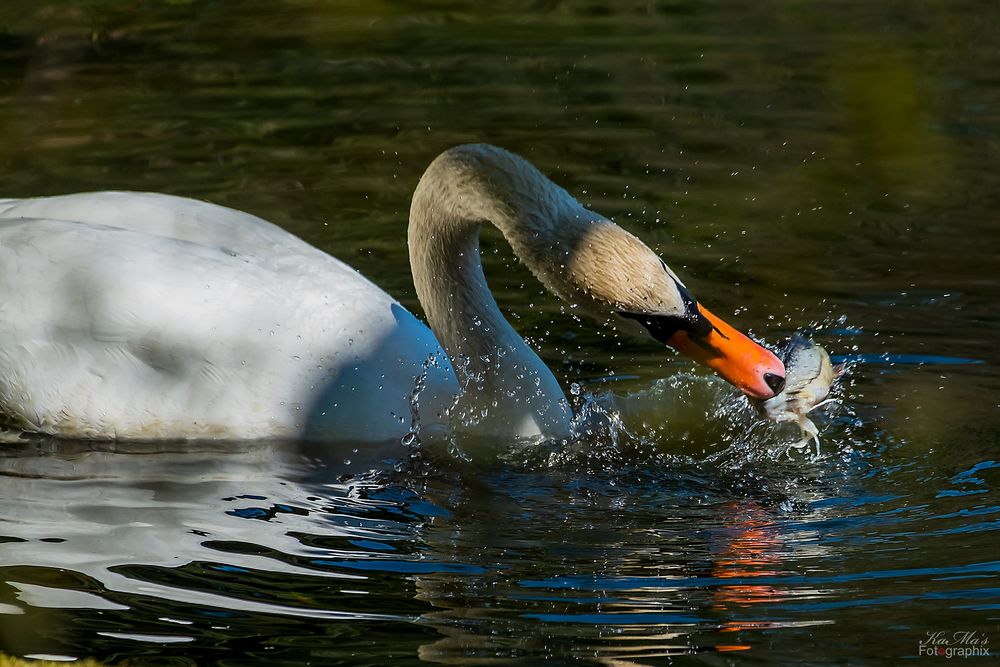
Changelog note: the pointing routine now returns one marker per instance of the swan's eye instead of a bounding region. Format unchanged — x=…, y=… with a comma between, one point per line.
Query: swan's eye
x=663, y=327
x=660, y=327
x=701, y=327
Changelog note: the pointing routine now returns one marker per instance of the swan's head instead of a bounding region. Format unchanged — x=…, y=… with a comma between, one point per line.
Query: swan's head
x=582, y=257
x=624, y=281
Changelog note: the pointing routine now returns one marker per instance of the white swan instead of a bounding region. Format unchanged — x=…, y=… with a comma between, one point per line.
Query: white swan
x=142, y=316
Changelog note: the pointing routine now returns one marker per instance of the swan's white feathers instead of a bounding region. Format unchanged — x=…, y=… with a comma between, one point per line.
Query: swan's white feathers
x=186, y=319
x=165, y=215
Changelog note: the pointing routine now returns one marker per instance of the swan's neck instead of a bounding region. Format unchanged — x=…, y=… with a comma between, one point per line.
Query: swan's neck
x=503, y=377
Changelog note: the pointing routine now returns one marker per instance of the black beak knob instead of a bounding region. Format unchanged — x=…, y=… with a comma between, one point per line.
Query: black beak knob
x=775, y=382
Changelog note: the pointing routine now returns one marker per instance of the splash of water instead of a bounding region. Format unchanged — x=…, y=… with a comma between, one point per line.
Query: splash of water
x=686, y=418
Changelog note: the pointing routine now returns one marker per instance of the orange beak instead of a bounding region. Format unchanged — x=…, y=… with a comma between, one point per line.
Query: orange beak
x=740, y=361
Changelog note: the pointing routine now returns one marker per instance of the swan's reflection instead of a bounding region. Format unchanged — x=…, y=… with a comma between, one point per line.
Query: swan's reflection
x=190, y=542
x=102, y=511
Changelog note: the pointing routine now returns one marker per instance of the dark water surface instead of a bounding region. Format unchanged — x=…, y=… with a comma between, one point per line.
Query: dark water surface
x=830, y=166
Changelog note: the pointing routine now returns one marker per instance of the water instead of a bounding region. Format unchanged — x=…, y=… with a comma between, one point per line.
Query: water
x=829, y=168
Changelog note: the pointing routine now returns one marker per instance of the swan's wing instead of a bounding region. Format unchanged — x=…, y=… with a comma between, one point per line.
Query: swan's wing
x=163, y=215
x=109, y=332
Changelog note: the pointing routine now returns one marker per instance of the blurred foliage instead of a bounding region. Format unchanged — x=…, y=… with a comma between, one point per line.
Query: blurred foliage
x=889, y=118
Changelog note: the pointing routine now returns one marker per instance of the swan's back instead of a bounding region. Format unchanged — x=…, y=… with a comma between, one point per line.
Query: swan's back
x=141, y=315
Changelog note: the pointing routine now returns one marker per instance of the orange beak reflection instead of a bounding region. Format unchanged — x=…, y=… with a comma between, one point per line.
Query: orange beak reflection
x=743, y=363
